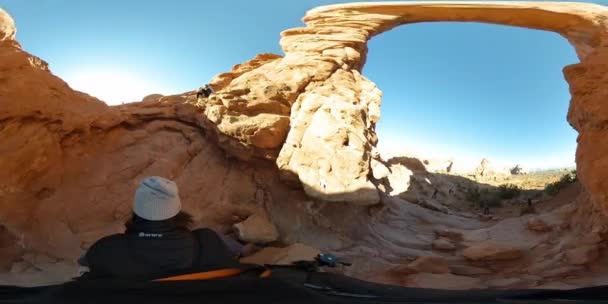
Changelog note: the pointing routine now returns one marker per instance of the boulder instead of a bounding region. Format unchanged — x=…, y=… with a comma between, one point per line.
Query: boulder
x=256, y=229
x=282, y=256
x=491, y=252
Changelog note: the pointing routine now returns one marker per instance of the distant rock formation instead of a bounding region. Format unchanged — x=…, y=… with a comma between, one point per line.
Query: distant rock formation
x=484, y=168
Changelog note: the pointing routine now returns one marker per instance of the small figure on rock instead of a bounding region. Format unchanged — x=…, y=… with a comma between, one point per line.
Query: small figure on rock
x=204, y=91
x=158, y=241
x=435, y=193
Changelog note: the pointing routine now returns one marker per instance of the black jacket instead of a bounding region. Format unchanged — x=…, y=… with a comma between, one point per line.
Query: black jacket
x=157, y=249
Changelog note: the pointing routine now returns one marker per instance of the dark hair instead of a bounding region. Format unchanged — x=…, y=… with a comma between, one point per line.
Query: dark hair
x=182, y=221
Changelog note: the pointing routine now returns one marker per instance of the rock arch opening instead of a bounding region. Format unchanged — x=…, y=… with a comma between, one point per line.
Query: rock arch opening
x=468, y=91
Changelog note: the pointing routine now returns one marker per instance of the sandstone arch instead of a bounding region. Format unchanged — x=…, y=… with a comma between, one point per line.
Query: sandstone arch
x=338, y=105
x=354, y=24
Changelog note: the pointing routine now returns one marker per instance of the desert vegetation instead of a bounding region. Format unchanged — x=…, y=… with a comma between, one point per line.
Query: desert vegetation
x=520, y=187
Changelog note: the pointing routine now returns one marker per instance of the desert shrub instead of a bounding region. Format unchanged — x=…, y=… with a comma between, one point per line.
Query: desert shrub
x=552, y=188
x=508, y=191
x=564, y=181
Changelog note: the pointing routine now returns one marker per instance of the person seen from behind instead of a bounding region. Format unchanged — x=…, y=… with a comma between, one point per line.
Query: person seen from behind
x=158, y=240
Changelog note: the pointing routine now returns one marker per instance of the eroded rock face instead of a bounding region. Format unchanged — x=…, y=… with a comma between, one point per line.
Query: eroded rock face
x=71, y=163
x=588, y=114
x=251, y=105
x=331, y=137
x=254, y=111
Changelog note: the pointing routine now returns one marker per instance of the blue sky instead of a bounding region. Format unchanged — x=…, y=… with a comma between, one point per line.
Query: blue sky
x=463, y=90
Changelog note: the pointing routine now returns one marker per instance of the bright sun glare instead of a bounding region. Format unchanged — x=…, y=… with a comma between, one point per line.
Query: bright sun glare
x=113, y=86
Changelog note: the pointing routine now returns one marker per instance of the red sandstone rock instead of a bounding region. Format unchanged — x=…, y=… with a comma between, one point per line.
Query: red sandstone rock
x=256, y=229
x=70, y=163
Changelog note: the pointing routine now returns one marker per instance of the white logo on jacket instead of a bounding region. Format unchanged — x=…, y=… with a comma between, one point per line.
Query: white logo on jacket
x=150, y=235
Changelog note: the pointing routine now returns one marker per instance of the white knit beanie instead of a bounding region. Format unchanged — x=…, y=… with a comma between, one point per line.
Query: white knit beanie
x=157, y=199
